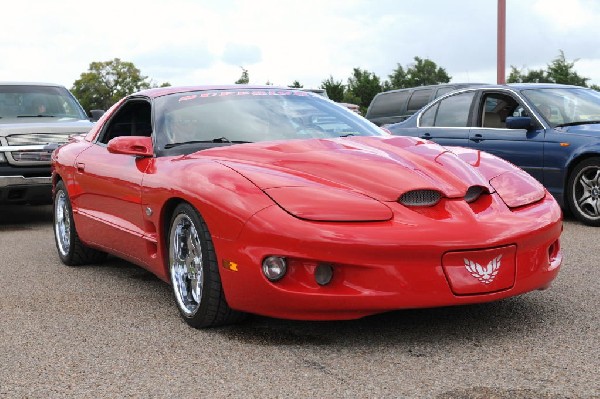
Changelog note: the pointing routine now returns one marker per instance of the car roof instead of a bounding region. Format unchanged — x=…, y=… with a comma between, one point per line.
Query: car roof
x=30, y=84
x=457, y=85
x=523, y=86
x=162, y=91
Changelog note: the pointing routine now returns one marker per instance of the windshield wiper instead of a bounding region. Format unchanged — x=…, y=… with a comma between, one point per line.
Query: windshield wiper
x=36, y=116
x=347, y=135
x=215, y=140
x=577, y=123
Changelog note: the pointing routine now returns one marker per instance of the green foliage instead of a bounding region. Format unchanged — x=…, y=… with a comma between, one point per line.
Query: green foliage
x=595, y=87
x=107, y=82
x=561, y=71
x=422, y=72
x=244, y=79
x=296, y=85
x=334, y=89
x=558, y=71
x=363, y=85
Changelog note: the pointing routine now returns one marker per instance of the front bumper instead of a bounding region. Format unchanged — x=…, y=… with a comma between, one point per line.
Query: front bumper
x=26, y=182
x=9, y=181
x=384, y=266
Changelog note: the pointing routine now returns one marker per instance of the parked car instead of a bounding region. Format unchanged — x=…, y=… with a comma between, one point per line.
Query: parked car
x=323, y=93
x=34, y=119
x=552, y=131
x=281, y=203
x=396, y=105
x=352, y=107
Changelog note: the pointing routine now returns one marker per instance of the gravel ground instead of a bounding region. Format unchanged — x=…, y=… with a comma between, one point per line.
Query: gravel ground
x=112, y=330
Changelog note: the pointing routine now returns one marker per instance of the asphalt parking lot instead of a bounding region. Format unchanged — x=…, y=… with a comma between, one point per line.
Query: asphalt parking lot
x=112, y=330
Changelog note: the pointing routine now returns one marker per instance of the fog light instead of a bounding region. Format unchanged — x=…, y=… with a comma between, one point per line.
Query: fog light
x=274, y=268
x=323, y=273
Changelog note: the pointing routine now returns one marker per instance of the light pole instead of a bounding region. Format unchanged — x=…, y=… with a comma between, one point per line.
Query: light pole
x=501, y=47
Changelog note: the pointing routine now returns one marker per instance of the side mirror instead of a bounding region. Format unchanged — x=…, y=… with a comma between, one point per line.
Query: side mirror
x=96, y=114
x=518, y=122
x=140, y=146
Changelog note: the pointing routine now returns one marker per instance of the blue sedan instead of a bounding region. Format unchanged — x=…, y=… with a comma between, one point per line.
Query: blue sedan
x=551, y=131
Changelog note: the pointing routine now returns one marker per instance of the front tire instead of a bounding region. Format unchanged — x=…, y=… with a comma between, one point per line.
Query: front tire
x=71, y=250
x=194, y=272
x=583, y=191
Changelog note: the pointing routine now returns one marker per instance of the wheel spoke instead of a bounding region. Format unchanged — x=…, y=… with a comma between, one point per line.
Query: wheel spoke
x=62, y=227
x=186, y=264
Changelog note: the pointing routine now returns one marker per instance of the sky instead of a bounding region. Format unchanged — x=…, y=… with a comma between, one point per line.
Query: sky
x=189, y=42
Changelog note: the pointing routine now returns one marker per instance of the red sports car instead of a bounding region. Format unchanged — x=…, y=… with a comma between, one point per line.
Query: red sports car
x=282, y=203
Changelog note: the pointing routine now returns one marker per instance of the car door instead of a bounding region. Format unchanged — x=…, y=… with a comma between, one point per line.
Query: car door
x=522, y=147
x=447, y=121
x=110, y=188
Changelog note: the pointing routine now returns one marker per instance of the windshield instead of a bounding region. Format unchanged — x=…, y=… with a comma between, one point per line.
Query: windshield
x=566, y=106
x=38, y=101
x=232, y=116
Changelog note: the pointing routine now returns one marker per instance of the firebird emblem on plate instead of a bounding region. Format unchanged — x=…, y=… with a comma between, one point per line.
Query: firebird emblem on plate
x=484, y=274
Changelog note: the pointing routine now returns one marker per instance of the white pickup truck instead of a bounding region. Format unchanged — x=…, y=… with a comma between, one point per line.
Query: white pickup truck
x=34, y=119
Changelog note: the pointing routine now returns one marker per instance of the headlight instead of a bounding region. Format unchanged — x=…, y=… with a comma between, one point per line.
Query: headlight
x=517, y=188
x=325, y=204
x=274, y=267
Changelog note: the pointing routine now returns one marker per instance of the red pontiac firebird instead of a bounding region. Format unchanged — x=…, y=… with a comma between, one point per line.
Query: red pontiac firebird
x=279, y=202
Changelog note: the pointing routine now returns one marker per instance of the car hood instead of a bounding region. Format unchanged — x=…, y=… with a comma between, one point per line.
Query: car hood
x=382, y=168
x=44, y=125
x=592, y=129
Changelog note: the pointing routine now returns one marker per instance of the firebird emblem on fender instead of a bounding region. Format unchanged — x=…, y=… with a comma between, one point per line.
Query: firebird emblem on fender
x=484, y=274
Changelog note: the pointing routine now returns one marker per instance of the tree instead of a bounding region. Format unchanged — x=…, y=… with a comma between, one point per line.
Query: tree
x=107, y=82
x=561, y=71
x=362, y=86
x=398, y=78
x=532, y=76
x=334, y=89
x=295, y=84
x=422, y=72
x=558, y=71
x=244, y=79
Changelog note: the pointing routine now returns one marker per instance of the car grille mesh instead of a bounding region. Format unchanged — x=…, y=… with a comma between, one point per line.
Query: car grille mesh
x=37, y=139
x=420, y=198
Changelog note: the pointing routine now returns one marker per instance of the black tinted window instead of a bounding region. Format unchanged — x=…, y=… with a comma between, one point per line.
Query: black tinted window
x=418, y=100
x=443, y=91
x=389, y=104
x=428, y=116
x=454, y=110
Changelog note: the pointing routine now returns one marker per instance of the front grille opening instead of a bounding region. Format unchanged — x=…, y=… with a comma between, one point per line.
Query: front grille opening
x=420, y=198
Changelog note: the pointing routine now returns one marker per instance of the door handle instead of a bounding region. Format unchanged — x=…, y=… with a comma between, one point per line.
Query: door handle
x=80, y=167
x=425, y=136
x=476, y=137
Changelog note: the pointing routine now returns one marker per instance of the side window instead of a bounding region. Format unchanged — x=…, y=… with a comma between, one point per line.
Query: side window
x=390, y=104
x=418, y=99
x=132, y=119
x=443, y=91
x=454, y=111
x=496, y=107
x=428, y=117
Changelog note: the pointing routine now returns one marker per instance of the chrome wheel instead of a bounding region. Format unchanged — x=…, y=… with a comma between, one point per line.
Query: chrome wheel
x=62, y=223
x=586, y=192
x=186, y=265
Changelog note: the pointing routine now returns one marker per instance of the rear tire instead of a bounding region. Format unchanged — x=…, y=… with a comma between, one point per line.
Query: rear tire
x=194, y=272
x=71, y=250
x=583, y=191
